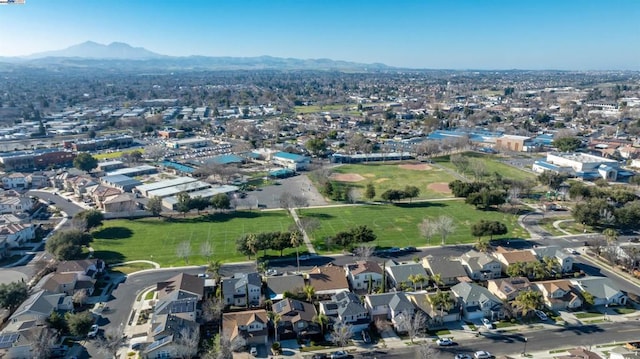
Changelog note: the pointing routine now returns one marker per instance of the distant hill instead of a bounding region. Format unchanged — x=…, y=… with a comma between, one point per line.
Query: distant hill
x=122, y=56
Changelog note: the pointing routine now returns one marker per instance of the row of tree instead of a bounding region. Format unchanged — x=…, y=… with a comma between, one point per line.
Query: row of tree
x=480, y=194
x=393, y=195
x=250, y=244
x=186, y=203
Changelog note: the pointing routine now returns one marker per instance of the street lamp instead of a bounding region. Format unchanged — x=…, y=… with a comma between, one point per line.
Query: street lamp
x=524, y=351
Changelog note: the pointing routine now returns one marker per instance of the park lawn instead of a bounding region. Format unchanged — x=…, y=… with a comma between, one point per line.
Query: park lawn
x=547, y=224
x=113, y=155
x=318, y=108
x=132, y=267
x=385, y=176
x=492, y=164
x=156, y=239
x=397, y=225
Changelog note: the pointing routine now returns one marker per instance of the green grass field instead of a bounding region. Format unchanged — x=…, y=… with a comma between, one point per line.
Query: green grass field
x=114, y=155
x=392, y=176
x=492, y=164
x=317, y=108
x=157, y=239
x=397, y=226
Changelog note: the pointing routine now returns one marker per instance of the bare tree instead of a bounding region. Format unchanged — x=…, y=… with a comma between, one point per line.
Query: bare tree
x=428, y=229
x=41, y=346
x=286, y=201
x=212, y=309
x=187, y=342
x=478, y=168
x=80, y=223
x=155, y=152
x=411, y=324
x=206, y=250
x=111, y=341
x=445, y=227
x=341, y=334
x=225, y=347
x=80, y=297
x=425, y=351
x=184, y=250
x=364, y=252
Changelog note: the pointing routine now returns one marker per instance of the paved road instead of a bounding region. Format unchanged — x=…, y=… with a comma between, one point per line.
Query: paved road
x=61, y=203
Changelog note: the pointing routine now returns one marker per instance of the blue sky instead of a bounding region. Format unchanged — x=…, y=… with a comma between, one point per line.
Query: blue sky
x=441, y=34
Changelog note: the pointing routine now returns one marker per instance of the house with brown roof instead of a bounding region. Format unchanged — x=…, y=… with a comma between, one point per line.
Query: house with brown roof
x=88, y=267
x=69, y=283
x=100, y=193
x=328, y=280
x=364, y=275
x=251, y=325
x=559, y=294
x=124, y=202
x=508, y=288
x=296, y=318
x=507, y=257
x=16, y=234
x=182, y=282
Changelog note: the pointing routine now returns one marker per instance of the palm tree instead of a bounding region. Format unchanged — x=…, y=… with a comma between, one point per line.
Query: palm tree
x=309, y=292
x=322, y=321
x=528, y=301
x=436, y=278
x=442, y=301
x=482, y=245
x=413, y=278
x=295, y=242
x=610, y=234
x=252, y=244
x=420, y=278
x=214, y=268
x=551, y=266
x=275, y=318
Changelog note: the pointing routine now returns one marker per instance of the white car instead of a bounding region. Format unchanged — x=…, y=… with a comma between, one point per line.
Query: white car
x=444, y=342
x=93, y=332
x=339, y=355
x=271, y=272
x=487, y=323
x=481, y=354
x=540, y=314
x=463, y=356
x=253, y=351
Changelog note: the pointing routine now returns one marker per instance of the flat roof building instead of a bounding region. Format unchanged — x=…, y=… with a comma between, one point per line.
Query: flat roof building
x=146, y=188
x=134, y=171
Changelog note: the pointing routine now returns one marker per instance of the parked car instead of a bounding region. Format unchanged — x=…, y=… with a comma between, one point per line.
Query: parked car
x=271, y=272
x=339, y=354
x=253, y=351
x=481, y=354
x=93, y=332
x=463, y=356
x=366, y=337
x=394, y=250
x=203, y=275
x=319, y=356
x=487, y=323
x=444, y=342
x=304, y=257
x=409, y=249
x=540, y=314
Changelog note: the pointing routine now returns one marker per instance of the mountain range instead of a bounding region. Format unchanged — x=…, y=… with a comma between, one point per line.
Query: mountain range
x=120, y=55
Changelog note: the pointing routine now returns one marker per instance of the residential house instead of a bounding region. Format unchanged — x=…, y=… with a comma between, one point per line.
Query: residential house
x=19, y=345
x=296, y=318
x=507, y=257
x=38, y=180
x=166, y=335
x=604, y=292
x=477, y=301
x=17, y=234
x=242, y=289
x=277, y=285
x=399, y=274
x=99, y=194
x=36, y=309
x=364, y=275
x=621, y=352
x=345, y=307
x=565, y=260
x=12, y=203
x=581, y=353
x=559, y=294
x=481, y=266
x=251, y=325
x=449, y=270
x=436, y=316
x=79, y=184
x=328, y=280
x=124, y=202
x=508, y=288
x=88, y=267
x=17, y=181
x=69, y=283
x=388, y=305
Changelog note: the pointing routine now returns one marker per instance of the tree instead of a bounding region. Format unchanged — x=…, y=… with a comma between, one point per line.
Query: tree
x=79, y=323
x=588, y=299
x=445, y=227
x=206, y=250
x=425, y=351
x=221, y=201
x=411, y=192
x=275, y=319
x=482, y=245
x=551, y=179
x=322, y=320
x=112, y=340
x=309, y=292
x=516, y=269
x=183, y=204
x=441, y=301
x=567, y=144
x=199, y=203
x=296, y=240
x=364, y=252
x=369, y=191
x=187, y=342
x=13, y=294
x=155, y=206
x=610, y=235
x=316, y=146
x=392, y=195
x=212, y=309
x=528, y=301
x=42, y=345
x=341, y=334
x=80, y=297
x=57, y=322
x=428, y=229
x=411, y=324
x=85, y=162
x=183, y=251
x=488, y=228
x=93, y=218
x=65, y=245
x=155, y=152
x=214, y=268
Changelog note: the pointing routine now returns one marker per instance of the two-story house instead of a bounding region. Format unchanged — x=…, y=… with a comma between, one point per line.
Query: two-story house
x=564, y=260
x=346, y=308
x=508, y=288
x=11, y=203
x=88, y=267
x=449, y=270
x=437, y=315
x=388, y=305
x=36, y=309
x=477, y=301
x=364, y=276
x=296, y=318
x=17, y=234
x=481, y=266
x=399, y=274
x=251, y=325
x=69, y=283
x=242, y=289
x=559, y=294
x=15, y=181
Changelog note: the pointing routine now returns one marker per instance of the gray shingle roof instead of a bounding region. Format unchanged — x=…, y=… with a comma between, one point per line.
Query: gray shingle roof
x=446, y=267
x=401, y=272
x=471, y=292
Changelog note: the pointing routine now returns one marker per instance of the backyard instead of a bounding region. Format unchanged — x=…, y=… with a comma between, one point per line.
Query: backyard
x=157, y=239
x=397, y=225
x=432, y=182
